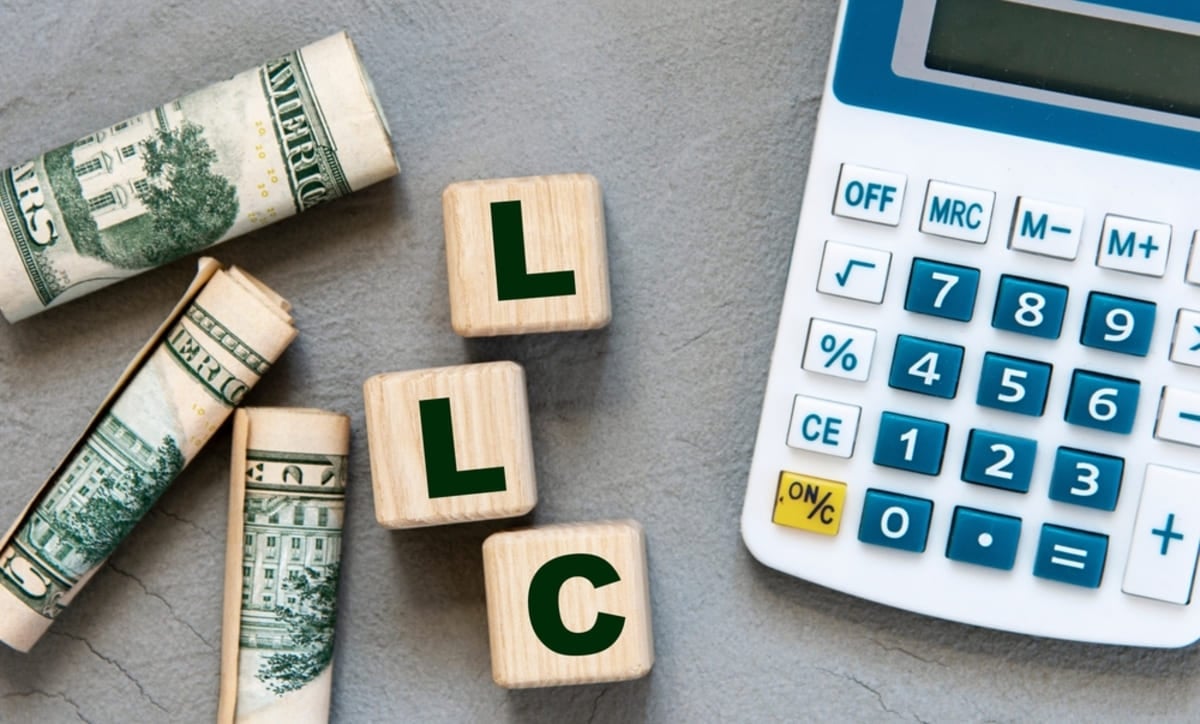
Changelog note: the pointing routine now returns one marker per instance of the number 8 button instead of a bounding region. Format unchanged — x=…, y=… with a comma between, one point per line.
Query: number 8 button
x=1030, y=307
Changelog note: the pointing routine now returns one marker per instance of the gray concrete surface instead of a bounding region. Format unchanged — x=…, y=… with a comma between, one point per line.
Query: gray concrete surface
x=697, y=119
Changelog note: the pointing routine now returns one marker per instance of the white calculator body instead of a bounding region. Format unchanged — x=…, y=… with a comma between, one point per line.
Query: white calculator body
x=984, y=397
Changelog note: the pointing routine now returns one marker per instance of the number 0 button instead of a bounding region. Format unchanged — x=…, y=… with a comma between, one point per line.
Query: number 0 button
x=895, y=521
x=910, y=443
x=942, y=290
x=1102, y=402
x=1030, y=307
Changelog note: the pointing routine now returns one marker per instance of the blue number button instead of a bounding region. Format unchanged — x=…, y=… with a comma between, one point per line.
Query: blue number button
x=1030, y=307
x=925, y=366
x=999, y=461
x=911, y=443
x=1070, y=556
x=1013, y=384
x=1086, y=478
x=1118, y=324
x=982, y=538
x=942, y=290
x=1102, y=402
x=895, y=521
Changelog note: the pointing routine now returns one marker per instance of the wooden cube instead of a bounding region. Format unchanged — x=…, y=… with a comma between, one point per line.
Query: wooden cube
x=450, y=445
x=568, y=604
x=526, y=255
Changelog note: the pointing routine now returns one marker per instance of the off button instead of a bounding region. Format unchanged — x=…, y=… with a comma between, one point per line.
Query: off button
x=869, y=194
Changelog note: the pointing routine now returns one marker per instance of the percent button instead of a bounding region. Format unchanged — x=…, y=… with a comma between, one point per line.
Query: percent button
x=840, y=350
x=808, y=503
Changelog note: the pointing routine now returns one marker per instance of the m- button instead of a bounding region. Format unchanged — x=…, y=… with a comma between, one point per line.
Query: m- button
x=869, y=194
x=1133, y=245
x=1166, y=535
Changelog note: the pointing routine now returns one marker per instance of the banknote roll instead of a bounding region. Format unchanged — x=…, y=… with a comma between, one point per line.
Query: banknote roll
x=249, y=151
x=282, y=559
x=222, y=337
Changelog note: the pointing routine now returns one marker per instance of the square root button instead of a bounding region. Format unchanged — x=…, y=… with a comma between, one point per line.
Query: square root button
x=823, y=426
x=1162, y=553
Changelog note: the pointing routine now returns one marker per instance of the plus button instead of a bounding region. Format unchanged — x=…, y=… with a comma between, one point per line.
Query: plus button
x=1167, y=533
x=1148, y=247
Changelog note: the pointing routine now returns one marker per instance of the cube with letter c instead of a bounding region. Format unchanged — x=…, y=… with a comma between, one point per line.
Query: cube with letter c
x=568, y=604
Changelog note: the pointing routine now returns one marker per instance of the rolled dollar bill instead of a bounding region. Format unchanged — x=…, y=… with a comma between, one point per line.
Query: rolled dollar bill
x=266, y=144
x=221, y=338
x=282, y=558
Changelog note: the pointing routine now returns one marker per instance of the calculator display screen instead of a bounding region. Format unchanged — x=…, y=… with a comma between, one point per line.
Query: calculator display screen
x=1069, y=53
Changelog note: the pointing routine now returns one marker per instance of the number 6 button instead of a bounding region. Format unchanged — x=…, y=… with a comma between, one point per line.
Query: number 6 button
x=1102, y=402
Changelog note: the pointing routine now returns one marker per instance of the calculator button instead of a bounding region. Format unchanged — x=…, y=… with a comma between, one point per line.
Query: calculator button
x=999, y=461
x=895, y=521
x=1102, y=402
x=1086, y=478
x=1118, y=324
x=1162, y=554
x=942, y=290
x=869, y=194
x=1070, y=556
x=1185, y=344
x=924, y=366
x=823, y=426
x=1133, y=245
x=957, y=212
x=911, y=443
x=1192, y=276
x=1178, y=416
x=807, y=503
x=841, y=350
x=1013, y=384
x=853, y=271
x=1040, y=227
x=983, y=538
x=1030, y=307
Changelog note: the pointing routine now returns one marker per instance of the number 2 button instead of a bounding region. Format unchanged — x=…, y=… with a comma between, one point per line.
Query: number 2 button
x=1030, y=307
x=942, y=290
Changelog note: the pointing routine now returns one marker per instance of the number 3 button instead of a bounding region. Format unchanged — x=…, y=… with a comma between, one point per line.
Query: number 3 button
x=1030, y=307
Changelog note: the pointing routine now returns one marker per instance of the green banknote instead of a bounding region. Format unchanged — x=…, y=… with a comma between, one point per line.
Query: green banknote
x=163, y=412
x=262, y=146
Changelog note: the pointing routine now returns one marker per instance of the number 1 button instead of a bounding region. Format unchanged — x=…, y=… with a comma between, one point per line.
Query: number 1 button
x=942, y=290
x=911, y=443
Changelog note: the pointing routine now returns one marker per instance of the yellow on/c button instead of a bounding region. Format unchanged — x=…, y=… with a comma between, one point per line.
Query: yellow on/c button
x=808, y=503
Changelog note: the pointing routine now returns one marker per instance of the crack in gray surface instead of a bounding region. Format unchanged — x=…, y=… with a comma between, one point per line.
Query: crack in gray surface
x=906, y=652
x=49, y=695
x=188, y=523
x=596, y=704
x=115, y=664
x=879, y=697
x=158, y=597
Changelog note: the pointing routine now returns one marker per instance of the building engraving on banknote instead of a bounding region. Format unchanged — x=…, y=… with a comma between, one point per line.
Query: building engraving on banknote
x=161, y=185
x=113, y=481
x=294, y=507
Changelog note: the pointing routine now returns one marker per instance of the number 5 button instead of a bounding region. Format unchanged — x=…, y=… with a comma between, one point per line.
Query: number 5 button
x=1013, y=384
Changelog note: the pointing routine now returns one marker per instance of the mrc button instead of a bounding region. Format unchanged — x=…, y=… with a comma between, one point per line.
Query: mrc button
x=957, y=212
x=869, y=194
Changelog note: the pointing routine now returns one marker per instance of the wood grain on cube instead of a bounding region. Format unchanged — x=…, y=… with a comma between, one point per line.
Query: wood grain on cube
x=521, y=654
x=562, y=221
x=489, y=416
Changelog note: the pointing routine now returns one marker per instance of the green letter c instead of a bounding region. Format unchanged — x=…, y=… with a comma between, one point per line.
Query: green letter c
x=546, y=617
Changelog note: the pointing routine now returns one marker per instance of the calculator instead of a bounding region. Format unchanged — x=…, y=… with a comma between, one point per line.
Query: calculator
x=984, y=396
